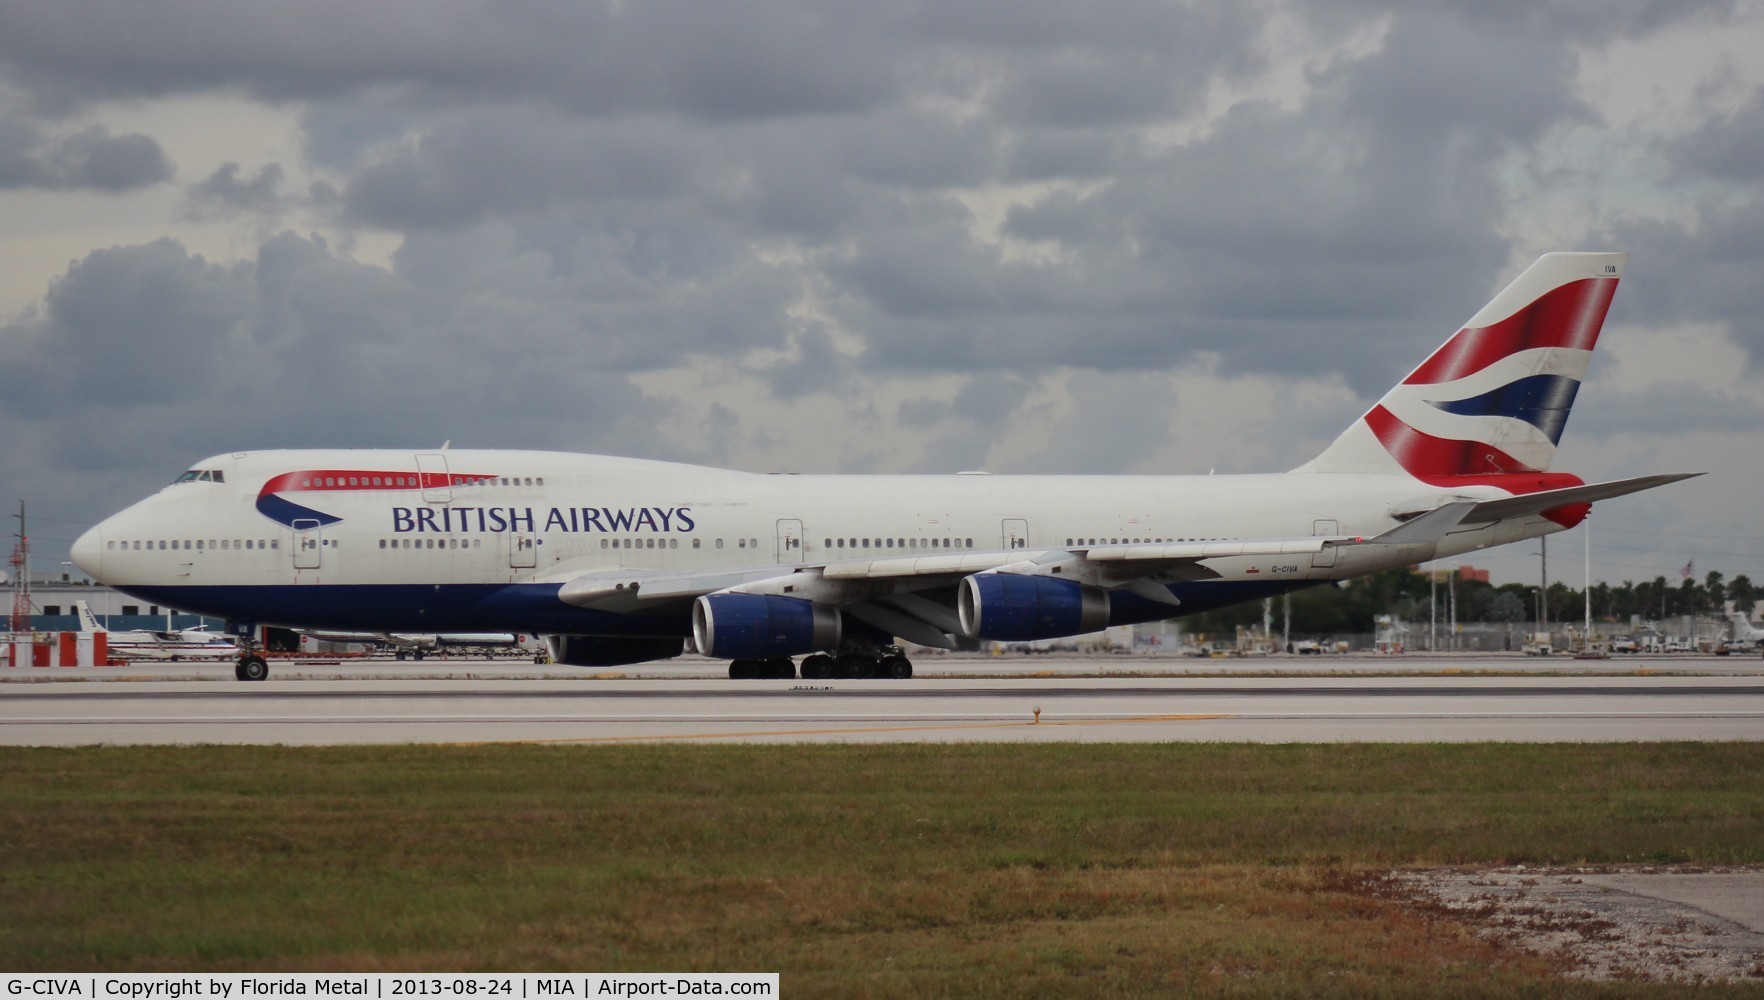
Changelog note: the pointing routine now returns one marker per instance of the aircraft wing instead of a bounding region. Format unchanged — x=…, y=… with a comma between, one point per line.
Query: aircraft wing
x=889, y=591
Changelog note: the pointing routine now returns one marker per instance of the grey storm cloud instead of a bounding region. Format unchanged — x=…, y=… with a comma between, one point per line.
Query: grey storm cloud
x=226, y=192
x=617, y=168
x=360, y=353
x=713, y=61
x=90, y=158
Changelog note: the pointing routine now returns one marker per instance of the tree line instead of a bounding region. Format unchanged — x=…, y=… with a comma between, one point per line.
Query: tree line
x=1351, y=607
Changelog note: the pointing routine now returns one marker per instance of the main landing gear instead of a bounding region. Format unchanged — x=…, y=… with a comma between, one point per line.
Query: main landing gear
x=886, y=662
x=776, y=669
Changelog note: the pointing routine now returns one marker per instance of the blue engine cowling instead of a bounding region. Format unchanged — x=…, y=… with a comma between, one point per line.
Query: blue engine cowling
x=758, y=626
x=1015, y=608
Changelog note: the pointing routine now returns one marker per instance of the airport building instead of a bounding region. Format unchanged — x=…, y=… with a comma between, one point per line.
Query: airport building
x=53, y=598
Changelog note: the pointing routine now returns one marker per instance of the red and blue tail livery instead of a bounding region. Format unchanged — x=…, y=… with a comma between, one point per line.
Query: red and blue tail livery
x=1493, y=400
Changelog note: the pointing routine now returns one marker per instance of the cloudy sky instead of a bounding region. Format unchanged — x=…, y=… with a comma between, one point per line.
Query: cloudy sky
x=1116, y=236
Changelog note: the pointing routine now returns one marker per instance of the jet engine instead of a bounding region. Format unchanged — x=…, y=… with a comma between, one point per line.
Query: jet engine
x=1020, y=608
x=759, y=626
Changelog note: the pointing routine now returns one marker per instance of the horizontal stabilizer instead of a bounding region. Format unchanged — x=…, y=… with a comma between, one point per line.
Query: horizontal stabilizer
x=1537, y=503
x=1446, y=518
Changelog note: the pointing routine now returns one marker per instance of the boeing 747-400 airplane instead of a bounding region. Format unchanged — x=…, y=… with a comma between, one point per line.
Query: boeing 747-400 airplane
x=620, y=560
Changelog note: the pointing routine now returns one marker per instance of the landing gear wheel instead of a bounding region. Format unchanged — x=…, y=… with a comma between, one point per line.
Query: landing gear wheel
x=897, y=667
x=854, y=666
x=780, y=668
x=251, y=668
x=817, y=667
x=741, y=670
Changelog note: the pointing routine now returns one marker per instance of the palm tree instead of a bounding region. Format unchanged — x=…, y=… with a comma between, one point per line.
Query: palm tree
x=1714, y=590
x=1739, y=591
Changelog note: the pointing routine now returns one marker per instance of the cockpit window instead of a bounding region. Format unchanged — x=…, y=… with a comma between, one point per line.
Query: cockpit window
x=201, y=476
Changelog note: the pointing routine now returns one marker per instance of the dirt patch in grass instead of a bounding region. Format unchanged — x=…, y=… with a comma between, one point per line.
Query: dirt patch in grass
x=1605, y=923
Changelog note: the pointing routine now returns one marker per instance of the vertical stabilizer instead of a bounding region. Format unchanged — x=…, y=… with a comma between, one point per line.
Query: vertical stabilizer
x=1494, y=398
x=88, y=620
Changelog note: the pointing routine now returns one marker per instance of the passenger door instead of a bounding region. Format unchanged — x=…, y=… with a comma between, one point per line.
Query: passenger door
x=790, y=541
x=437, y=482
x=308, y=543
x=1325, y=557
x=523, y=550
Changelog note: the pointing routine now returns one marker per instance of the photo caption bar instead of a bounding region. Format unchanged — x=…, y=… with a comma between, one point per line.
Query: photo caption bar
x=385, y=985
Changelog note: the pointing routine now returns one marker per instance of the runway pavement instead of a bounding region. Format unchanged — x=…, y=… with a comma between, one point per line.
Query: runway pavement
x=1043, y=699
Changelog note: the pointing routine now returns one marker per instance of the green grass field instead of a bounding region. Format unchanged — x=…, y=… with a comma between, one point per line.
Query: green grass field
x=894, y=870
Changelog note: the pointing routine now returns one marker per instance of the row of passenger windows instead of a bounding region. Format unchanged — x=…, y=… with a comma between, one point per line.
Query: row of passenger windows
x=605, y=543
x=898, y=543
x=1133, y=541
x=198, y=545
x=317, y=482
x=226, y=544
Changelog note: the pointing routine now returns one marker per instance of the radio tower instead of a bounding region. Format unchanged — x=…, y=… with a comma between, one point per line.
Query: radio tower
x=21, y=577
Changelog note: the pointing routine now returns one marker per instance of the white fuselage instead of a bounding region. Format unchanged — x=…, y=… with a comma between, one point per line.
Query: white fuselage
x=480, y=540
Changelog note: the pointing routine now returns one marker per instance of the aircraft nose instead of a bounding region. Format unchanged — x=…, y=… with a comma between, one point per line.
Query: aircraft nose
x=88, y=552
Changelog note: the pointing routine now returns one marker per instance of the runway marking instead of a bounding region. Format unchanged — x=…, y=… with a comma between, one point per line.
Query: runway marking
x=846, y=730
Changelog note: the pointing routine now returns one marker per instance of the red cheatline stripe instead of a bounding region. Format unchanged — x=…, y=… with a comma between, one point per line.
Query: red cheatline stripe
x=334, y=480
x=1450, y=462
x=1422, y=455
x=1566, y=316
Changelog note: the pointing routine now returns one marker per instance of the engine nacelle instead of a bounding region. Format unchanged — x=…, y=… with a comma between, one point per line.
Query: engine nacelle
x=610, y=650
x=1016, y=608
x=760, y=626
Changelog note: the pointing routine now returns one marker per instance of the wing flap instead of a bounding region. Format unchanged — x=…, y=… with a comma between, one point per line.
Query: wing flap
x=1195, y=551
x=938, y=565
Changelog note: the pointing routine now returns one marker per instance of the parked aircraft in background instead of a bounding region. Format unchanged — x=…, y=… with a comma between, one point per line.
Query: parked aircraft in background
x=175, y=644
x=619, y=560
x=1743, y=629
x=419, y=644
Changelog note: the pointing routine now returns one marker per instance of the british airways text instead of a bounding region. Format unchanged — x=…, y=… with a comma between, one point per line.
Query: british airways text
x=561, y=519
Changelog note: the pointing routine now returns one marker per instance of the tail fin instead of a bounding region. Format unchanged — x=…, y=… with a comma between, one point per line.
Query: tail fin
x=88, y=621
x=1495, y=397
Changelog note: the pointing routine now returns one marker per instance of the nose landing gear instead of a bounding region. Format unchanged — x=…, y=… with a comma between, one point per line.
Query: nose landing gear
x=251, y=666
